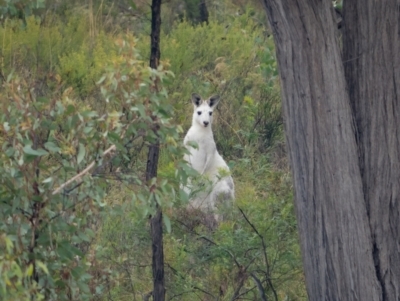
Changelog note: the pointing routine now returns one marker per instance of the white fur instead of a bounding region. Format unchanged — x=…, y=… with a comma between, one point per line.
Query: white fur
x=206, y=160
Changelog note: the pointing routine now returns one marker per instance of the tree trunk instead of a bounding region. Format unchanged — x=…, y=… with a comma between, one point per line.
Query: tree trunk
x=345, y=166
x=371, y=58
x=155, y=52
x=203, y=11
x=158, y=257
x=151, y=168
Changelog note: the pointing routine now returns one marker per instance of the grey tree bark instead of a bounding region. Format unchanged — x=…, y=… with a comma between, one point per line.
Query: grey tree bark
x=343, y=141
x=372, y=67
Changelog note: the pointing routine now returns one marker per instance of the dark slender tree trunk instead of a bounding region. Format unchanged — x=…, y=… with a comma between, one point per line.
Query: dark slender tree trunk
x=203, y=11
x=158, y=257
x=155, y=52
x=343, y=140
x=151, y=169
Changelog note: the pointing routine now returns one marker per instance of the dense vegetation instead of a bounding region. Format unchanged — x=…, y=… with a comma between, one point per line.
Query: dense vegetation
x=77, y=92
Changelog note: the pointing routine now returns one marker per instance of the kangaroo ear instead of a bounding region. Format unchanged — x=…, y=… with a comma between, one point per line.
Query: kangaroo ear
x=213, y=101
x=196, y=99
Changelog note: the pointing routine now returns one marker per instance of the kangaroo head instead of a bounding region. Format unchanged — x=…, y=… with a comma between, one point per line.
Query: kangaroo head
x=203, y=109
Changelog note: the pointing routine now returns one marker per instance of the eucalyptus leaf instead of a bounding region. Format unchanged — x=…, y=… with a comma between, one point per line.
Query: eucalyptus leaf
x=81, y=153
x=34, y=152
x=167, y=223
x=51, y=146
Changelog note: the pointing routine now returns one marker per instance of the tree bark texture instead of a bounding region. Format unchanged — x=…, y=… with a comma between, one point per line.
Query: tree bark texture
x=151, y=168
x=155, y=52
x=371, y=58
x=203, y=11
x=158, y=256
x=343, y=142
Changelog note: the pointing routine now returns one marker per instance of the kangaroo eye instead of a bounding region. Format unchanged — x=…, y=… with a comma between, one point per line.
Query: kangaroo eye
x=210, y=113
x=198, y=113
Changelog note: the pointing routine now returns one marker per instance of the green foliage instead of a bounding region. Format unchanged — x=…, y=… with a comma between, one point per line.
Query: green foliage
x=248, y=129
x=78, y=87
x=19, y=8
x=83, y=65
x=240, y=67
x=73, y=51
x=40, y=139
x=47, y=221
x=15, y=279
x=257, y=239
x=200, y=264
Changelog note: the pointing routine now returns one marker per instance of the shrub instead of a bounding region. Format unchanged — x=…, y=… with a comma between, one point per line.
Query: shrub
x=46, y=222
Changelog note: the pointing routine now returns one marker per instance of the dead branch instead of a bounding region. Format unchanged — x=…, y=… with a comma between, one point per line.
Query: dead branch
x=83, y=172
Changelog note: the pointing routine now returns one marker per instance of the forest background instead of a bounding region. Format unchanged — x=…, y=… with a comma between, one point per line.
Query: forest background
x=75, y=84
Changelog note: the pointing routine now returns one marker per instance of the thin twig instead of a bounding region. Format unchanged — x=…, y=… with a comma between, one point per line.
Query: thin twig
x=214, y=243
x=198, y=234
x=246, y=292
x=83, y=172
x=241, y=283
x=60, y=213
x=180, y=294
x=204, y=291
x=176, y=272
x=264, y=251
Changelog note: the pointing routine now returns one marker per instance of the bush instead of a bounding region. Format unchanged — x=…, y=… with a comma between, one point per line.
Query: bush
x=48, y=223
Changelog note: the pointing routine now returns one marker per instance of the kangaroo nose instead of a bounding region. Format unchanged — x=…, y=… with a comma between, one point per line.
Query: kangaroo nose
x=205, y=123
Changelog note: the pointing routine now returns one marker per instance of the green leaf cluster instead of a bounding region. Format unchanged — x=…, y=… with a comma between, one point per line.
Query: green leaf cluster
x=19, y=8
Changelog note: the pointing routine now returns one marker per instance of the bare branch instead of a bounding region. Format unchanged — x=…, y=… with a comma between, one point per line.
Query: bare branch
x=245, y=292
x=91, y=165
x=83, y=172
x=198, y=234
x=203, y=291
x=243, y=277
x=259, y=286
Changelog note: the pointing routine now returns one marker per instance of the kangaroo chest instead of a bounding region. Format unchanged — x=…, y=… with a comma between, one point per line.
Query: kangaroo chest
x=203, y=155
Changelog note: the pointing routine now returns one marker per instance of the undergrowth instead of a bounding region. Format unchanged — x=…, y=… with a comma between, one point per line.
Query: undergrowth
x=233, y=56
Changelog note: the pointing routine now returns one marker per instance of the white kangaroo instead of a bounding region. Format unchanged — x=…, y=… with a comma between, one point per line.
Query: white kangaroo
x=205, y=158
